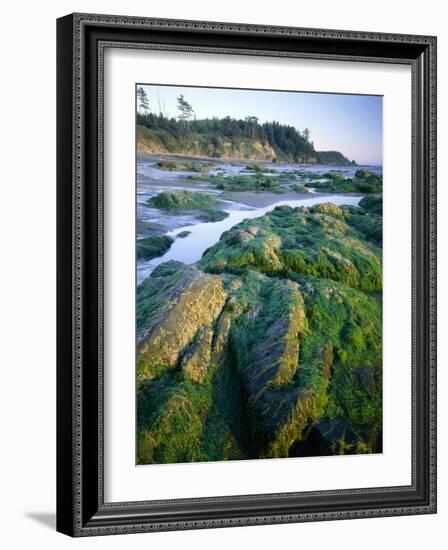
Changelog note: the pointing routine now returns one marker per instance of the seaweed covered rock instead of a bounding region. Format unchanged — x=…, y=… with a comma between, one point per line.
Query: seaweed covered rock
x=182, y=200
x=206, y=206
x=373, y=204
x=195, y=361
x=213, y=215
x=154, y=246
x=266, y=337
x=253, y=182
x=270, y=346
x=363, y=182
x=174, y=166
x=363, y=174
x=170, y=419
x=290, y=242
x=173, y=304
x=272, y=326
x=297, y=348
x=350, y=321
x=300, y=189
x=367, y=219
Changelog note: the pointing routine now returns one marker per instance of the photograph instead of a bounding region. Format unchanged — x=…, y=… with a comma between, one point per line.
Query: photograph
x=259, y=274
x=246, y=272
x=220, y=275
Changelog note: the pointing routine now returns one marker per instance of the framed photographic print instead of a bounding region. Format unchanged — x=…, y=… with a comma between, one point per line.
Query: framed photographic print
x=246, y=274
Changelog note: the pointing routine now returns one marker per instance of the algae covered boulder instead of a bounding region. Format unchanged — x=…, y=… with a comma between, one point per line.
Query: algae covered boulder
x=367, y=219
x=259, y=181
x=174, y=166
x=290, y=242
x=154, y=246
x=363, y=182
x=195, y=361
x=296, y=348
x=362, y=174
x=269, y=346
x=182, y=201
x=300, y=189
x=213, y=215
x=372, y=204
x=173, y=304
x=176, y=201
x=266, y=338
x=188, y=400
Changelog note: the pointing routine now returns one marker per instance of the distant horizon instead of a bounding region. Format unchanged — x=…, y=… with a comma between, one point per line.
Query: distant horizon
x=324, y=114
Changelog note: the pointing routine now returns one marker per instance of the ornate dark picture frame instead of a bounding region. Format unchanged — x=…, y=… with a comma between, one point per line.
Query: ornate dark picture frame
x=81, y=509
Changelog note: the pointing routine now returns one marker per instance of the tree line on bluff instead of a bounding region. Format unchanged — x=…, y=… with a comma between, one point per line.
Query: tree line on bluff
x=287, y=143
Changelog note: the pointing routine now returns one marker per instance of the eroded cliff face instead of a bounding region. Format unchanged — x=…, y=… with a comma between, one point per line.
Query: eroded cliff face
x=247, y=149
x=269, y=347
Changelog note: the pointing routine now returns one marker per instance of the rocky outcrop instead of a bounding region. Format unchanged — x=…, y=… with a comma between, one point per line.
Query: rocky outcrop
x=268, y=341
x=183, y=301
x=249, y=354
x=154, y=246
x=372, y=204
x=363, y=182
x=183, y=201
x=289, y=242
x=195, y=361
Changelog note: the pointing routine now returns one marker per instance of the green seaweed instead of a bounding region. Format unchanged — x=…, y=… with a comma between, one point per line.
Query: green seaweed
x=174, y=166
x=295, y=241
x=363, y=182
x=282, y=320
x=213, y=216
x=183, y=201
x=256, y=182
x=152, y=247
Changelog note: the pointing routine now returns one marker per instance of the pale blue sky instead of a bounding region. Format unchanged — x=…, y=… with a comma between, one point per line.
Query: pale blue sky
x=351, y=124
